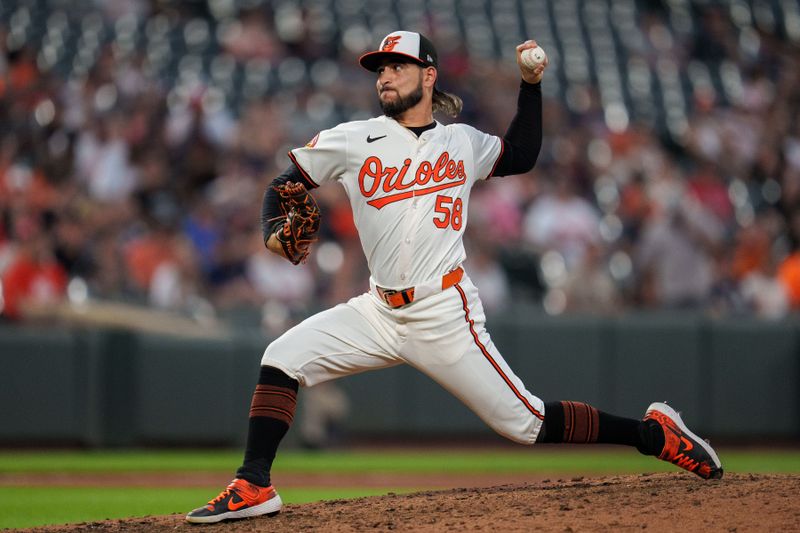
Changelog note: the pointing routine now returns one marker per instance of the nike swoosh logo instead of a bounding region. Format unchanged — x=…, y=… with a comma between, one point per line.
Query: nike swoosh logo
x=373, y=139
x=235, y=506
x=687, y=443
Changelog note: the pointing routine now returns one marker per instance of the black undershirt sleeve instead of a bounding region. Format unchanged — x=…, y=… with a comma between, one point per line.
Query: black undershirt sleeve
x=523, y=140
x=271, y=215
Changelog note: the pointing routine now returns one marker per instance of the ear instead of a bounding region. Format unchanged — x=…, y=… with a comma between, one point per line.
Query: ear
x=429, y=76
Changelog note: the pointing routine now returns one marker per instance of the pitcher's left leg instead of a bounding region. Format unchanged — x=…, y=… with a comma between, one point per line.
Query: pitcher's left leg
x=475, y=372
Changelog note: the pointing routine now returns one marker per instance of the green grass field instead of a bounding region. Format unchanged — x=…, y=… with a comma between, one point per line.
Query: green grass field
x=87, y=504
x=80, y=504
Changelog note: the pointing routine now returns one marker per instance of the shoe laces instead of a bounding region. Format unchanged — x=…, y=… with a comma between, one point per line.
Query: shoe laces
x=222, y=495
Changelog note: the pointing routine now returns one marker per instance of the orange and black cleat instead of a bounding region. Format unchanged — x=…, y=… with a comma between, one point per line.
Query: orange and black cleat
x=682, y=447
x=241, y=499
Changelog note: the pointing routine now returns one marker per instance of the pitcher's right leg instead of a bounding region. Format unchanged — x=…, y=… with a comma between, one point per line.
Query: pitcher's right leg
x=251, y=492
x=347, y=339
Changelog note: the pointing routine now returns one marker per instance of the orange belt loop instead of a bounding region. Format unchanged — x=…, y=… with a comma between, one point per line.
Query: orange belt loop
x=399, y=298
x=452, y=277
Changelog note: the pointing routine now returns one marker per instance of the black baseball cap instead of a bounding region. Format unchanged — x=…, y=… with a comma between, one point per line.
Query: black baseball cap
x=408, y=45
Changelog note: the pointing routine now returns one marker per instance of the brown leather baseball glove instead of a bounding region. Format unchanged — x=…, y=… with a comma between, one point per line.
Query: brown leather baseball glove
x=301, y=224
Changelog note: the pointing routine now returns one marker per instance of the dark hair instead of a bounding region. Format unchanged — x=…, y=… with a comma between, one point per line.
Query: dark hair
x=447, y=103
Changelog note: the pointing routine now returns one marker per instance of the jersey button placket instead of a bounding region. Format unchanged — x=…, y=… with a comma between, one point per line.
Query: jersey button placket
x=413, y=221
x=406, y=247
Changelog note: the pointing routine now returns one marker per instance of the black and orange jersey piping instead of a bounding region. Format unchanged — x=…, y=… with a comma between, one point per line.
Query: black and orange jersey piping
x=491, y=360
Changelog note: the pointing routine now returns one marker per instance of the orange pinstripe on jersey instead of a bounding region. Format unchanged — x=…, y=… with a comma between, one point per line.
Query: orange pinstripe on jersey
x=489, y=357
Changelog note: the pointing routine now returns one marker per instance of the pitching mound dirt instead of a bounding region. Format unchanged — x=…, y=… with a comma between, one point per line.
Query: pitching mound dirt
x=655, y=502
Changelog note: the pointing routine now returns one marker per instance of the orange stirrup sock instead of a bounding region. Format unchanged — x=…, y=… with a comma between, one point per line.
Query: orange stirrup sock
x=580, y=423
x=271, y=414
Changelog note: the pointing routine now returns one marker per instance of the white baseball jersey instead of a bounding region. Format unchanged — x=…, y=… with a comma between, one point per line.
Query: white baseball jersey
x=409, y=195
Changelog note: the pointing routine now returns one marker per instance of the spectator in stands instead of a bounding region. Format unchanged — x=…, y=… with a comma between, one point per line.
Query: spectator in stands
x=33, y=279
x=103, y=160
x=563, y=221
x=488, y=275
x=789, y=269
x=789, y=276
x=675, y=256
x=706, y=186
x=103, y=135
x=589, y=287
x=251, y=37
x=754, y=260
x=276, y=280
x=147, y=252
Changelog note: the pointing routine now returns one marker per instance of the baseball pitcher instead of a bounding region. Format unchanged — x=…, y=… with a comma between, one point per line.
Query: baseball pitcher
x=408, y=179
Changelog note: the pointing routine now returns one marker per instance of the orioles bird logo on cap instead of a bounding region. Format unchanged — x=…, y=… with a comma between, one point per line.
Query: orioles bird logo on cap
x=390, y=43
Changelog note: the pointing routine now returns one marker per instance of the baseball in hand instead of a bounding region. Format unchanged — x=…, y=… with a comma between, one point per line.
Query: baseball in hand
x=533, y=57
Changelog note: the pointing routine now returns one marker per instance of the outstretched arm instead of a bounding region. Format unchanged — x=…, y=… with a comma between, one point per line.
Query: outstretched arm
x=523, y=139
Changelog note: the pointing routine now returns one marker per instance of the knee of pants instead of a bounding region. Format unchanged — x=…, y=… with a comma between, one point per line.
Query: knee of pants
x=522, y=431
x=281, y=358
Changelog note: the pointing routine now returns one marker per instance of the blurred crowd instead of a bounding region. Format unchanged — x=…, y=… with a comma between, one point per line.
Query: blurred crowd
x=116, y=185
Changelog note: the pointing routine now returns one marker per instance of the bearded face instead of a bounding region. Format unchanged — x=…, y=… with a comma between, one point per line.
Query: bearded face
x=403, y=90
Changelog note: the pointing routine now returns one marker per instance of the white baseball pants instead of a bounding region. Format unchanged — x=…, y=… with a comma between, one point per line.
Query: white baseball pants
x=442, y=335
